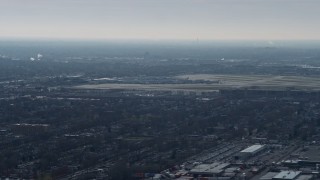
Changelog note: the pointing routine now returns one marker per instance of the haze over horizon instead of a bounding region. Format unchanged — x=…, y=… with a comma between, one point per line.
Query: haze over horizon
x=158, y=20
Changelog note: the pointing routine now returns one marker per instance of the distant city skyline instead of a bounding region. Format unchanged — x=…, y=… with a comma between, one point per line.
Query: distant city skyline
x=161, y=19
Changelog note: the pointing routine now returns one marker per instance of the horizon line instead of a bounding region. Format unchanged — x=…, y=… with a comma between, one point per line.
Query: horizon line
x=148, y=39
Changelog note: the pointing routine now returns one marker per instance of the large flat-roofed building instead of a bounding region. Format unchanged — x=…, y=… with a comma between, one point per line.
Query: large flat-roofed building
x=304, y=177
x=250, y=151
x=283, y=175
x=269, y=176
x=209, y=169
x=286, y=175
x=309, y=157
x=253, y=149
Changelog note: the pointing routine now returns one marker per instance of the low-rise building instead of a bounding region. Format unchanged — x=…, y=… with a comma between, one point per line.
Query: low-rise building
x=209, y=170
x=284, y=175
x=250, y=151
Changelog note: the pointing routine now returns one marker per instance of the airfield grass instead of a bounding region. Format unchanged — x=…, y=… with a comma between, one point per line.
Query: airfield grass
x=221, y=82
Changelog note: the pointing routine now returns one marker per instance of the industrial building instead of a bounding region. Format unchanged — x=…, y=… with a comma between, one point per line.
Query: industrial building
x=209, y=170
x=286, y=175
x=250, y=151
x=269, y=176
x=309, y=157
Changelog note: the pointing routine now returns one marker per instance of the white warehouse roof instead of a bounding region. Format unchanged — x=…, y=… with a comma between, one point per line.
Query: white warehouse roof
x=287, y=175
x=253, y=148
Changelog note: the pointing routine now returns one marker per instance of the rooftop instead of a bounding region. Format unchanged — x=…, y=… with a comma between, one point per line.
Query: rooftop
x=214, y=168
x=304, y=177
x=287, y=175
x=312, y=153
x=269, y=176
x=252, y=148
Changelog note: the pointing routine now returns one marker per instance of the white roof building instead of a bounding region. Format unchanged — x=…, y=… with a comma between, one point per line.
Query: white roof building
x=287, y=175
x=253, y=149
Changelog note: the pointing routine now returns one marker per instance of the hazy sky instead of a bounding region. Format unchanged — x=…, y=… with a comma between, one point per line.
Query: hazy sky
x=161, y=19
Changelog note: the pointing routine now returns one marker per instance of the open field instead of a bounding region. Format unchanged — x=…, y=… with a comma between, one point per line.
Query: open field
x=259, y=81
x=221, y=82
x=153, y=87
